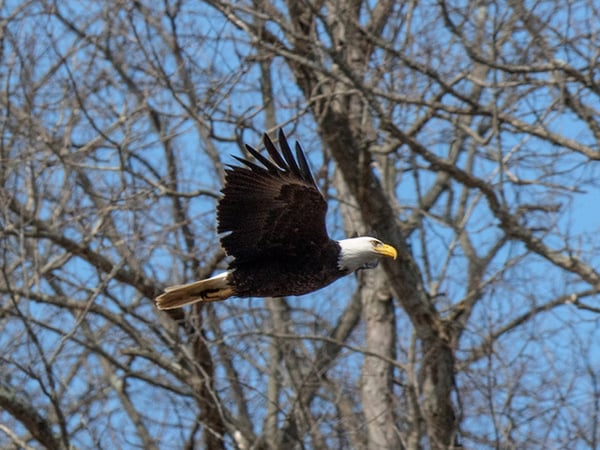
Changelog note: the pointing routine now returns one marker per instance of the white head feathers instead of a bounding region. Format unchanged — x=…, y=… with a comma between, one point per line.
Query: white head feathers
x=363, y=253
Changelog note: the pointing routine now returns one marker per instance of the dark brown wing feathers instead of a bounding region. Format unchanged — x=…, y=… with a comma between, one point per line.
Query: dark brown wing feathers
x=271, y=210
x=273, y=153
x=304, y=167
x=292, y=166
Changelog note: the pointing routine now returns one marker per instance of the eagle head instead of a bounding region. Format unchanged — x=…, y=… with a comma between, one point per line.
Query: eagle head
x=363, y=253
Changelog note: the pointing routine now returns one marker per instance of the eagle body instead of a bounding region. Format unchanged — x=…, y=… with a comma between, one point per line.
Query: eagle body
x=315, y=268
x=272, y=221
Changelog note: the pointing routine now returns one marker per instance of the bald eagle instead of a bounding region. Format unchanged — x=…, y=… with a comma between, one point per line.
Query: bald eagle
x=272, y=217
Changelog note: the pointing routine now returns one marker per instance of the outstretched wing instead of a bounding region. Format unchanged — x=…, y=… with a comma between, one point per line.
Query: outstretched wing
x=273, y=208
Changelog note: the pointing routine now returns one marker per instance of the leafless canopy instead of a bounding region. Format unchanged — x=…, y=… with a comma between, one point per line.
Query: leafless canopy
x=467, y=134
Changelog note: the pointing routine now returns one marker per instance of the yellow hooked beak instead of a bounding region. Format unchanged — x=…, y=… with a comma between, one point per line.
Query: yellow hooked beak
x=386, y=250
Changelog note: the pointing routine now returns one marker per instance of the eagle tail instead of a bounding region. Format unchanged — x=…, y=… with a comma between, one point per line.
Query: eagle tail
x=213, y=289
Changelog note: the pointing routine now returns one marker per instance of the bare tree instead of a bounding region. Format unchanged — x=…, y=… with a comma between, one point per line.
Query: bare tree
x=465, y=134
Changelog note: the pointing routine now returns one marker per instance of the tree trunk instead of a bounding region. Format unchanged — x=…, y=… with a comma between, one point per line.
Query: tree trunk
x=377, y=372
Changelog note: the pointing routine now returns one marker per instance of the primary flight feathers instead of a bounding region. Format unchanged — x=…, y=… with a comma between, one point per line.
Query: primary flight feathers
x=273, y=219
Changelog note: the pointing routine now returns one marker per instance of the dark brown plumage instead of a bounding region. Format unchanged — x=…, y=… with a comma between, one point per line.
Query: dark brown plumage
x=271, y=211
x=272, y=216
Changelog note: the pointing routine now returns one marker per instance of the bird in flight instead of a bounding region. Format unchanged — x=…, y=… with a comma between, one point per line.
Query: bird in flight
x=272, y=217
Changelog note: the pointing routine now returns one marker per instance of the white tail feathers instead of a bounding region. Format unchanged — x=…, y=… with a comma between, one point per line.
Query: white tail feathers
x=213, y=289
